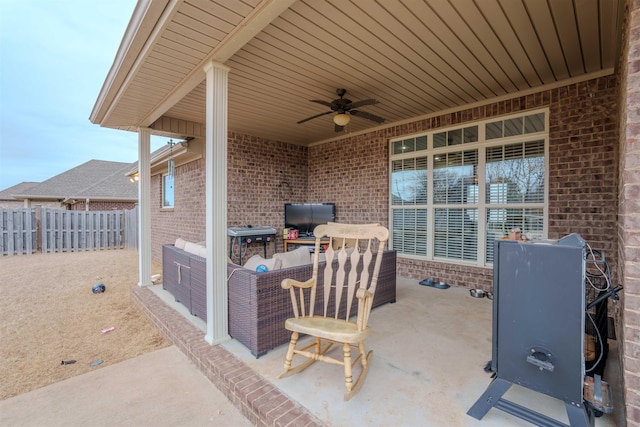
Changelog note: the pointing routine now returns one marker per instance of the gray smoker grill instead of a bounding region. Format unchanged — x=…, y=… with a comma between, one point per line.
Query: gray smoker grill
x=539, y=328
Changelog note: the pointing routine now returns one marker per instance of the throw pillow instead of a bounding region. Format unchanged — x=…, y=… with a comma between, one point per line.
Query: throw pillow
x=180, y=243
x=300, y=256
x=201, y=251
x=192, y=248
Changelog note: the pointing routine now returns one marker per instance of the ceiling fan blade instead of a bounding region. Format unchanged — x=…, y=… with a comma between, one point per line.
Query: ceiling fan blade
x=367, y=116
x=339, y=128
x=363, y=103
x=320, y=101
x=314, y=117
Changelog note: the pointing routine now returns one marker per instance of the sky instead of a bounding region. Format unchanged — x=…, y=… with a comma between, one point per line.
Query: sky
x=54, y=58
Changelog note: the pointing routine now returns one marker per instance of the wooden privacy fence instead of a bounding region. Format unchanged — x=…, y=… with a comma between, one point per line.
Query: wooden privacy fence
x=18, y=234
x=131, y=228
x=70, y=231
x=56, y=230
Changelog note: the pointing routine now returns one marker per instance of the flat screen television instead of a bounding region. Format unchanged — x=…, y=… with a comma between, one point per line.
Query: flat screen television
x=305, y=217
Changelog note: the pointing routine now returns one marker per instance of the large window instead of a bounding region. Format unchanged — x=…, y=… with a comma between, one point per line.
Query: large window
x=167, y=191
x=454, y=191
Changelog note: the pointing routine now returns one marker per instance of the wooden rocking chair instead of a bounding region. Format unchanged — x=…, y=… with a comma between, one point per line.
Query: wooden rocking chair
x=354, y=246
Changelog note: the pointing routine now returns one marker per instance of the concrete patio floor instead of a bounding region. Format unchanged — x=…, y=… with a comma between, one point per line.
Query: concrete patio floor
x=162, y=388
x=430, y=348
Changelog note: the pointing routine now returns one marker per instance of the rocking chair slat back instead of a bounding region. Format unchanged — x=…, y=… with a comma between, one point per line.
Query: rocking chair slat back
x=352, y=246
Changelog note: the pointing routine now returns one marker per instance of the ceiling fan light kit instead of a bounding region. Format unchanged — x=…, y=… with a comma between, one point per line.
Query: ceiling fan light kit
x=341, y=119
x=342, y=110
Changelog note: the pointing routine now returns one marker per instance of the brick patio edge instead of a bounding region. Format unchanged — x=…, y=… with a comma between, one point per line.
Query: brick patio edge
x=258, y=399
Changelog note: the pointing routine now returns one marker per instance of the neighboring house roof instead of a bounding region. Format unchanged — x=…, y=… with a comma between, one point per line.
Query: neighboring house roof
x=7, y=194
x=94, y=180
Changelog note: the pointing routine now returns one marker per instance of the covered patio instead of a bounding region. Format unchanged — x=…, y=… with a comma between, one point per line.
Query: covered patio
x=424, y=373
x=235, y=79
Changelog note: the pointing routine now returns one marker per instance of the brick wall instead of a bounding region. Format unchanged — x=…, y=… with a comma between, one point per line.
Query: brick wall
x=629, y=208
x=263, y=175
x=102, y=206
x=187, y=218
x=354, y=172
x=583, y=157
x=11, y=204
x=17, y=204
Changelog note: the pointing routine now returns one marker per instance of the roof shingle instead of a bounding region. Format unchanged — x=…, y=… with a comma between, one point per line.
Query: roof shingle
x=95, y=179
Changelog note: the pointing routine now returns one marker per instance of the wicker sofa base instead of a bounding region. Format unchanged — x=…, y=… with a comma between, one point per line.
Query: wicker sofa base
x=184, y=276
x=258, y=306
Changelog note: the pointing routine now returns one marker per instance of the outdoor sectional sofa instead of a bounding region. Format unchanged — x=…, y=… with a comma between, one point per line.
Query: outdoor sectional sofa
x=258, y=306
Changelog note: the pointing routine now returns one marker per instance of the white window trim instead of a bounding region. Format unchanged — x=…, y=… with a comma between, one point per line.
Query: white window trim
x=481, y=145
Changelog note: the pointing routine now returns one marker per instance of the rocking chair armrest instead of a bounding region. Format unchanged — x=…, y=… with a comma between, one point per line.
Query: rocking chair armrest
x=362, y=293
x=288, y=283
x=365, y=300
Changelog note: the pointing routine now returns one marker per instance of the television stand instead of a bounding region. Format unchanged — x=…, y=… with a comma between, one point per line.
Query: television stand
x=303, y=242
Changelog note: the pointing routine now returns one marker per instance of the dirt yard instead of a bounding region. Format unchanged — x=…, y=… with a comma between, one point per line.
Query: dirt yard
x=48, y=314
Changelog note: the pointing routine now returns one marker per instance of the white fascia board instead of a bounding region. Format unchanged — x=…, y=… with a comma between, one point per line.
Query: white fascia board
x=135, y=40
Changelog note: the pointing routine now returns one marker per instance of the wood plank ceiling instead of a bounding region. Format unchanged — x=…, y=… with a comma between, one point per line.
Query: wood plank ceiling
x=415, y=57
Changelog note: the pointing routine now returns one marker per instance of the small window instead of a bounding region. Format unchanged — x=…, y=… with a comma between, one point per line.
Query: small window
x=167, y=191
x=516, y=126
x=455, y=137
x=410, y=145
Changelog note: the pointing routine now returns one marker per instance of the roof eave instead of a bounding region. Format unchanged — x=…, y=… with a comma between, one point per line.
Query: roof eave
x=150, y=19
x=143, y=20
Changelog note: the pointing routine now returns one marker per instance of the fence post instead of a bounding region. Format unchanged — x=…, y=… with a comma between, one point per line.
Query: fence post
x=38, y=228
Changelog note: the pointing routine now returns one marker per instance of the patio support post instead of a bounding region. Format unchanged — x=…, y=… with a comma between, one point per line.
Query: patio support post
x=144, y=206
x=216, y=201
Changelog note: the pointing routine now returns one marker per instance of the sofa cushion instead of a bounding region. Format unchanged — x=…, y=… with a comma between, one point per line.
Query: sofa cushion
x=180, y=243
x=253, y=262
x=195, y=249
x=202, y=251
x=300, y=256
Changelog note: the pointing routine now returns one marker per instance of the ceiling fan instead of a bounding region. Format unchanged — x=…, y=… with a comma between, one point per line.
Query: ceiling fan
x=344, y=109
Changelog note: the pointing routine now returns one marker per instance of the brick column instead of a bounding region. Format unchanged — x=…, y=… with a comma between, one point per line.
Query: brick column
x=629, y=211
